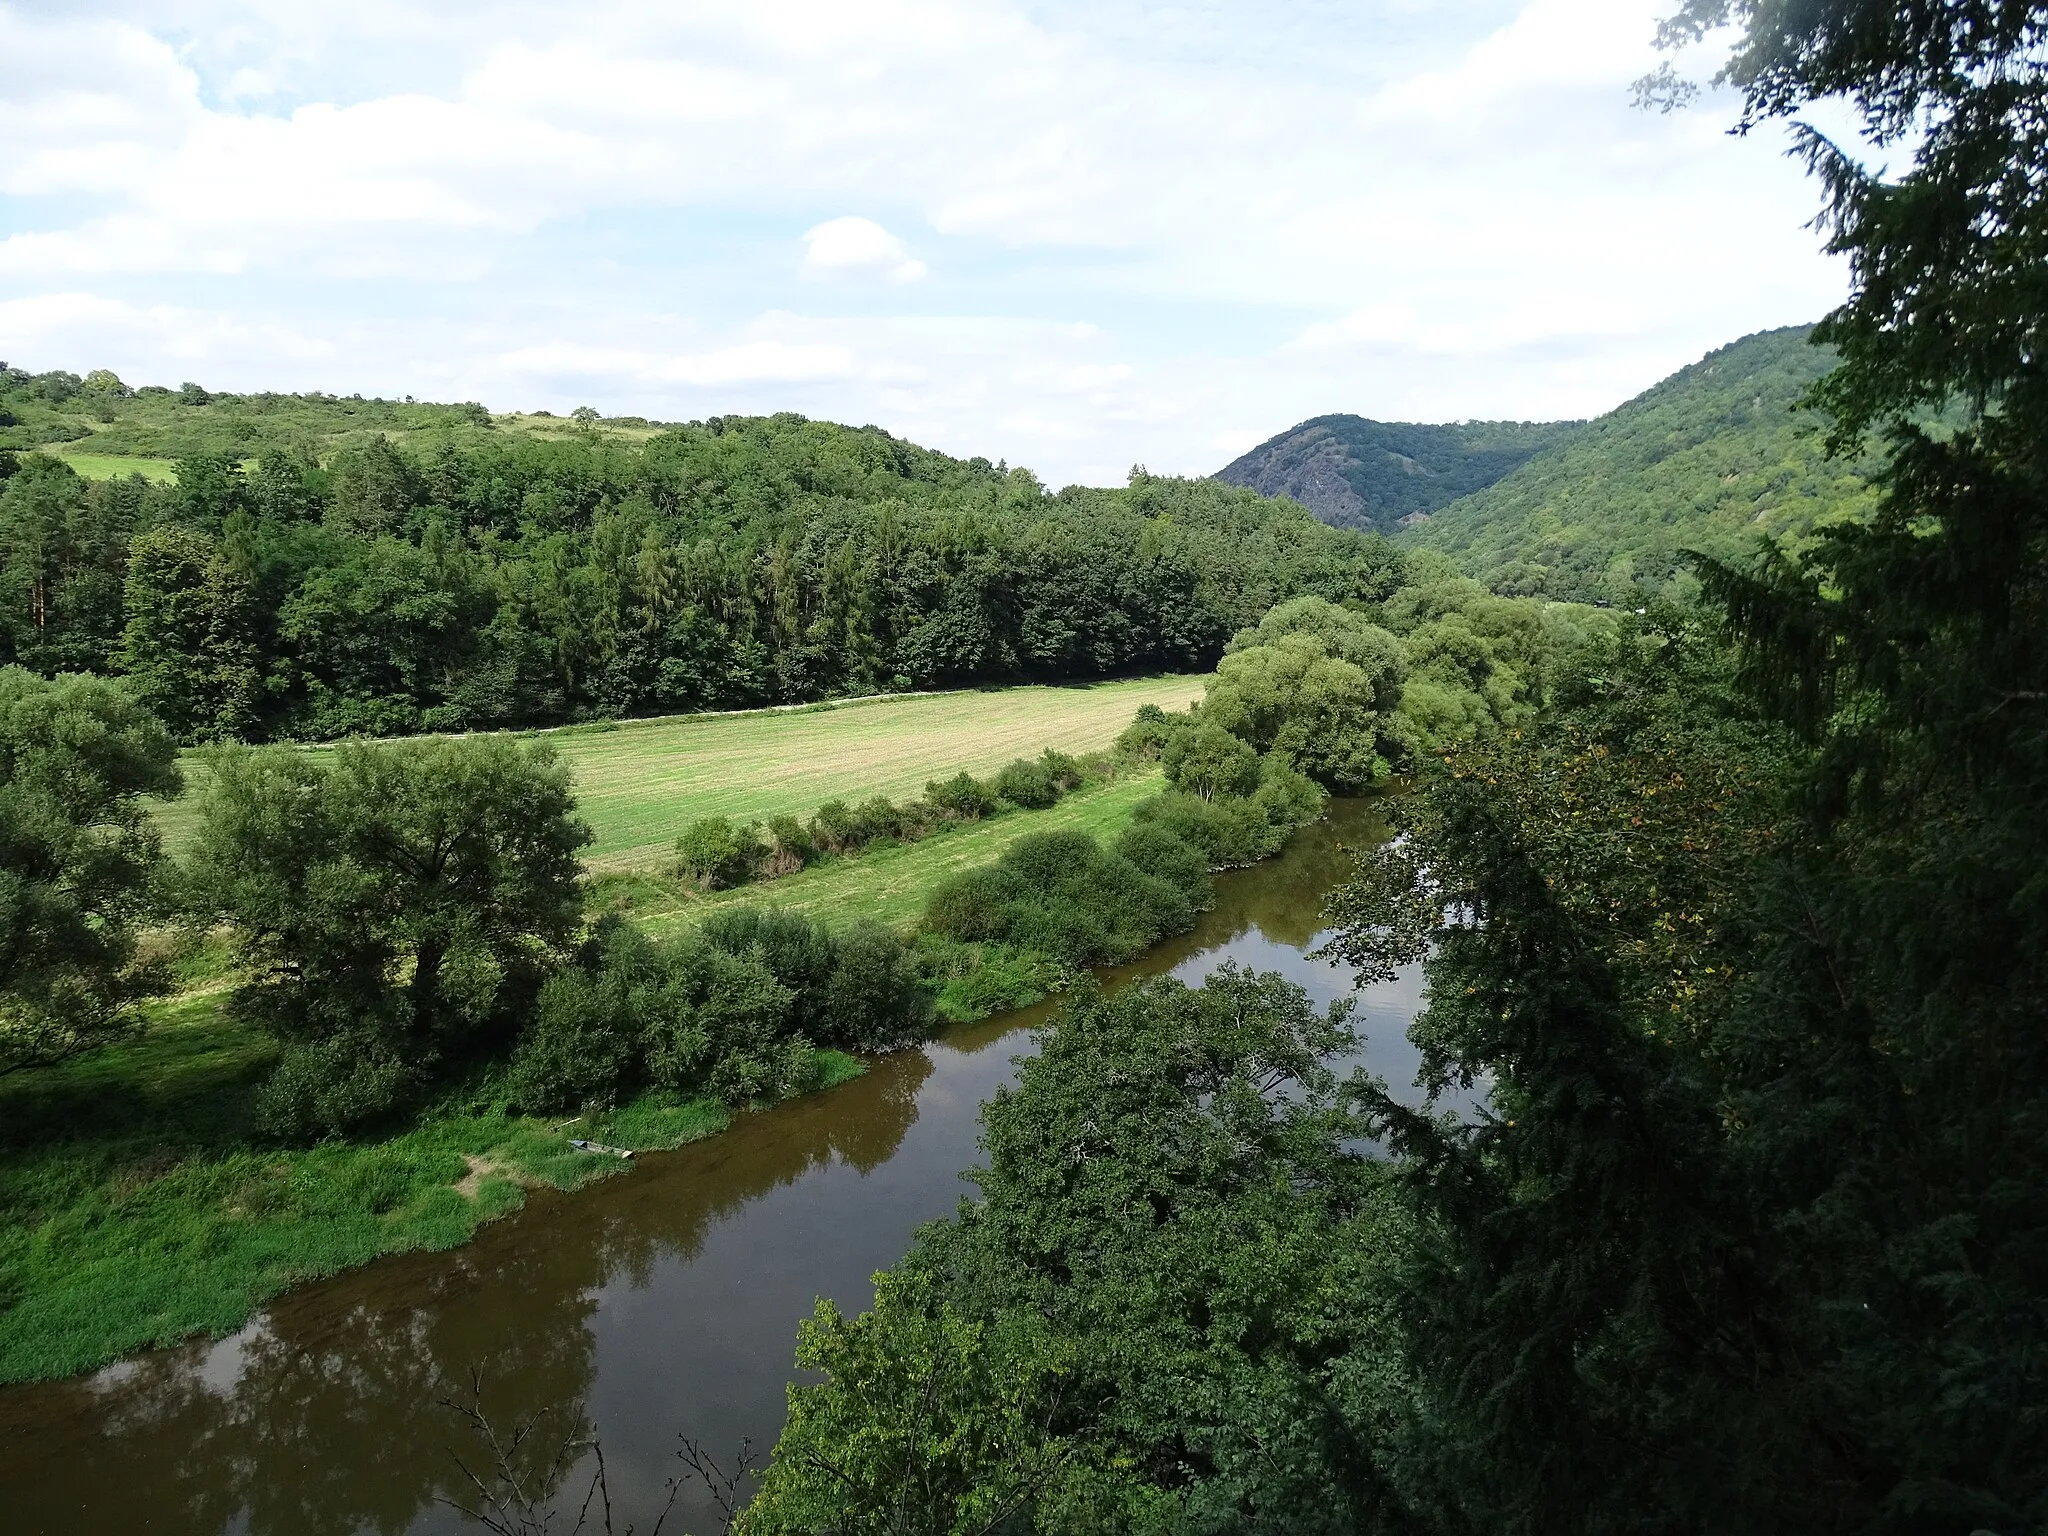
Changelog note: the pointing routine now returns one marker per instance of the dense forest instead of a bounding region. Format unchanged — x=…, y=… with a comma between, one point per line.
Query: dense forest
x=1710, y=459
x=463, y=576
x=1381, y=475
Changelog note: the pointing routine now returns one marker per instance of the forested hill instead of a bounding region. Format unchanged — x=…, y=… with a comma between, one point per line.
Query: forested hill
x=1355, y=473
x=1709, y=459
x=439, y=568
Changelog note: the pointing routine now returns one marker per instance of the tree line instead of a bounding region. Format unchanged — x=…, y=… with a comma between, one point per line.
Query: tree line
x=482, y=583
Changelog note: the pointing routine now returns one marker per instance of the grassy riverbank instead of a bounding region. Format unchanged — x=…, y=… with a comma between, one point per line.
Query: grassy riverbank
x=139, y=1205
x=140, y=1209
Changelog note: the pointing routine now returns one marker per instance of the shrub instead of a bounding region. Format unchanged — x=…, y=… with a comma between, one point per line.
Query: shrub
x=973, y=907
x=1207, y=761
x=1229, y=833
x=713, y=854
x=1043, y=859
x=1287, y=797
x=714, y=1020
x=877, y=818
x=1149, y=732
x=789, y=847
x=1059, y=894
x=837, y=829
x=1027, y=784
x=916, y=818
x=873, y=1001
x=1065, y=772
x=337, y=1082
x=800, y=952
x=582, y=1049
x=962, y=797
x=1157, y=851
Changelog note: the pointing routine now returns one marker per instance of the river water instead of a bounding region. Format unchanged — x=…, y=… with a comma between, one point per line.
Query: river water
x=658, y=1303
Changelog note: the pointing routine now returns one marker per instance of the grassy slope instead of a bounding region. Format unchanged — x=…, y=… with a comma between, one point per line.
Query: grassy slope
x=640, y=783
x=1710, y=459
x=889, y=884
x=137, y=1206
x=145, y=433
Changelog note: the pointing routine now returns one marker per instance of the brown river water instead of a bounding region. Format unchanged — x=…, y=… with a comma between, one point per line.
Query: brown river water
x=658, y=1303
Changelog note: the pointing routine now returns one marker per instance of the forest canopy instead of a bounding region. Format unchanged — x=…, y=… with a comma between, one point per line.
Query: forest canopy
x=472, y=579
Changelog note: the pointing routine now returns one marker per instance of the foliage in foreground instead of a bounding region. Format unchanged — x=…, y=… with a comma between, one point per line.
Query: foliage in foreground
x=1134, y=1326
x=78, y=856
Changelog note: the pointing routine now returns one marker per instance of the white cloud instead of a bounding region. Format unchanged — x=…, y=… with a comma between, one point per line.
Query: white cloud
x=1141, y=234
x=853, y=246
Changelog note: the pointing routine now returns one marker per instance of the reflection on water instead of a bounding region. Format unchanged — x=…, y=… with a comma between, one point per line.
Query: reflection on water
x=660, y=1302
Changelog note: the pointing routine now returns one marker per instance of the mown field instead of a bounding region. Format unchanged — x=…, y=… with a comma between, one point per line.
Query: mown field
x=110, y=466
x=640, y=782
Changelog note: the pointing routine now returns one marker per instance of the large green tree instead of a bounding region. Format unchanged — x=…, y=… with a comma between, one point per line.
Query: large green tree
x=394, y=903
x=77, y=857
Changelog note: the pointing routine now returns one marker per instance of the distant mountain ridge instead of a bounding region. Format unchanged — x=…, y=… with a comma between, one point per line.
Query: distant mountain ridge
x=1712, y=458
x=1356, y=473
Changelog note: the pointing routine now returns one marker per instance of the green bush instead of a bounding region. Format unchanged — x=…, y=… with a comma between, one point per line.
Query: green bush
x=789, y=847
x=1207, y=761
x=582, y=1049
x=1157, y=851
x=1027, y=784
x=337, y=1082
x=736, y=1009
x=715, y=855
x=874, y=1001
x=877, y=818
x=1059, y=894
x=837, y=829
x=962, y=797
x=799, y=951
x=1067, y=773
x=973, y=906
x=1149, y=731
x=1229, y=833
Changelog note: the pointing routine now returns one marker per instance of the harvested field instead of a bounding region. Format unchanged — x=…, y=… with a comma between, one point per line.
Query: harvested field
x=640, y=782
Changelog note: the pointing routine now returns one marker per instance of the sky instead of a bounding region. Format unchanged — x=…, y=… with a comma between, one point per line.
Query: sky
x=1074, y=236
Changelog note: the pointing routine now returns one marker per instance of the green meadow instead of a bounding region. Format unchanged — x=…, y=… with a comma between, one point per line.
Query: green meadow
x=889, y=882
x=640, y=782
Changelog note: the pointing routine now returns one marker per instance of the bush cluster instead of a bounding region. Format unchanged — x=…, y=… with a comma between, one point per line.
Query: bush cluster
x=717, y=853
x=1063, y=895
x=1231, y=803
x=737, y=1010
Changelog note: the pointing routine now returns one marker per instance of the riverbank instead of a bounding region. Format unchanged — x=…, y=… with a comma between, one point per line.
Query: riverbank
x=141, y=1209
x=138, y=1206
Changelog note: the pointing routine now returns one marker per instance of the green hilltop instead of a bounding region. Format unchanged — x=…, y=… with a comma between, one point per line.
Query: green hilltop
x=1712, y=458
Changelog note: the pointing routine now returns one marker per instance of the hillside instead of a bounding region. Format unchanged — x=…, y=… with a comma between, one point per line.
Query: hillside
x=1355, y=473
x=103, y=428
x=284, y=566
x=1709, y=459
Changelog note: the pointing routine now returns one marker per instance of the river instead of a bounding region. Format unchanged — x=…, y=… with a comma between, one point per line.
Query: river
x=658, y=1303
